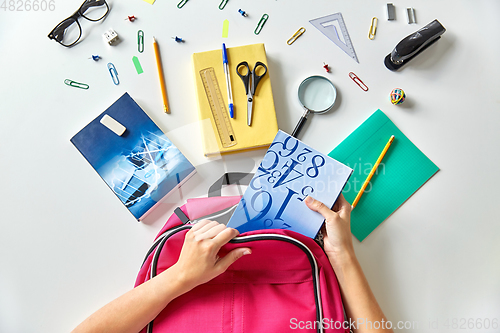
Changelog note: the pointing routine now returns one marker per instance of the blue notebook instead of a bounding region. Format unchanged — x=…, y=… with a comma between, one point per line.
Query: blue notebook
x=289, y=172
x=141, y=166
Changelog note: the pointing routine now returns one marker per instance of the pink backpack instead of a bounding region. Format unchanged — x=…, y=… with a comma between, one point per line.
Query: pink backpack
x=286, y=285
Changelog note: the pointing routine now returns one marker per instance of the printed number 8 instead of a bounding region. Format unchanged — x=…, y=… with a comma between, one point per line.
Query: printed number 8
x=315, y=166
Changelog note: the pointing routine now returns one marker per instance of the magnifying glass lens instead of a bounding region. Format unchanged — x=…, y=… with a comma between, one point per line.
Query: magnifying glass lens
x=317, y=94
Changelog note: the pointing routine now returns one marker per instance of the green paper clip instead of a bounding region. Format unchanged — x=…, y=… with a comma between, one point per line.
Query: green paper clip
x=140, y=41
x=262, y=21
x=75, y=84
x=223, y=4
x=181, y=4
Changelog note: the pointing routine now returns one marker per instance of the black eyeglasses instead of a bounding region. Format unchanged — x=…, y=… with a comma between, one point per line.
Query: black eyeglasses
x=69, y=31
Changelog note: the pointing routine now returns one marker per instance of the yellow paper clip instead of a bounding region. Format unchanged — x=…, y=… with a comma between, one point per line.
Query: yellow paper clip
x=262, y=21
x=373, y=28
x=181, y=4
x=296, y=35
x=72, y=83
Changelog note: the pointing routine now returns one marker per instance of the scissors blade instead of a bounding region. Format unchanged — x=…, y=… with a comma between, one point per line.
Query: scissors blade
x=249, y=108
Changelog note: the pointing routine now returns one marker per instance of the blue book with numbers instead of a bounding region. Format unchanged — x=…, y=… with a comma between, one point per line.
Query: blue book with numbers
x=289, y=172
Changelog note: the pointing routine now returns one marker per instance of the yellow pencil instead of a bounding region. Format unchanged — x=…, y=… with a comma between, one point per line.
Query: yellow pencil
x=162, y=79
x=367, y=181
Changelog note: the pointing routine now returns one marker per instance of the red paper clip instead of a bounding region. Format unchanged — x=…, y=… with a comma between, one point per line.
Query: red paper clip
x=358, y=81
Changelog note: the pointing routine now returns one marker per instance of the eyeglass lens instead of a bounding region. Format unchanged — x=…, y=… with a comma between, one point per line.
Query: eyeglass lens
x=94, y=10
x=68, y=32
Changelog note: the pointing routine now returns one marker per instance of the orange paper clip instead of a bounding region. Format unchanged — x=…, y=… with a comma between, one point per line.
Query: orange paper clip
x=358, y=81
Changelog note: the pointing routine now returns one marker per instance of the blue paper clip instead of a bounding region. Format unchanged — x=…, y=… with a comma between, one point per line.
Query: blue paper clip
x=114, y=74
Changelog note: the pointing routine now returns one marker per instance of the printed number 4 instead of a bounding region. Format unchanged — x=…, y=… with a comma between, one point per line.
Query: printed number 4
x=4, y=5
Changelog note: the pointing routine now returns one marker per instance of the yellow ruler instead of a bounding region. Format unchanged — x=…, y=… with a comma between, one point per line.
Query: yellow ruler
x=221, y=116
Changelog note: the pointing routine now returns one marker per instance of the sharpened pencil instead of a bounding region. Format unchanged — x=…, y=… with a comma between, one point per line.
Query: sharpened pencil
x=160, y=74
x=372, y=172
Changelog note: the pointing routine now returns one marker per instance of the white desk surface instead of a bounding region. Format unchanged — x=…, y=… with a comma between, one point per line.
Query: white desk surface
x=68, y=246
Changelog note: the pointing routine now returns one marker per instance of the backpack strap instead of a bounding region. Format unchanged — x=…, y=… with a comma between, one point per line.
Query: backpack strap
x=229, y=178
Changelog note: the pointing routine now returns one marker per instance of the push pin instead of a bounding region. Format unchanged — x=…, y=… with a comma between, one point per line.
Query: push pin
x=242, y=12
x=178, y=39
x=95, y=57
x=326, y=68
x=131, y=18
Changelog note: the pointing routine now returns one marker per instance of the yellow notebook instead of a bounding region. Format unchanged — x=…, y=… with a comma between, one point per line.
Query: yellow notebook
x=264, y=124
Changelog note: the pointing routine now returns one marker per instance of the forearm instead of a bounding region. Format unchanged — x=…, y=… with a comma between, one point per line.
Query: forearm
x=359, y=302
x=132, y=311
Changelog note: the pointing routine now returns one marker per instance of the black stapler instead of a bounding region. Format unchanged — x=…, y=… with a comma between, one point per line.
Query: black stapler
x=412, y=45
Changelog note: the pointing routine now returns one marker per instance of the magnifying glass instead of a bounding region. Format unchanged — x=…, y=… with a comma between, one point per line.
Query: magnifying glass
x=317, y=95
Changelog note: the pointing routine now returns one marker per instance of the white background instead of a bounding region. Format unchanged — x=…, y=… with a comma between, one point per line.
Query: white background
x=68, y=246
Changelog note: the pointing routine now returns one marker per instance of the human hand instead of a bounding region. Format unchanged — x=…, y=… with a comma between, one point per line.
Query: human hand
x=199, y=261
x=337, y=229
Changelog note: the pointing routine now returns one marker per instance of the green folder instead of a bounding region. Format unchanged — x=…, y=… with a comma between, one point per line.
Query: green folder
x=401, y=173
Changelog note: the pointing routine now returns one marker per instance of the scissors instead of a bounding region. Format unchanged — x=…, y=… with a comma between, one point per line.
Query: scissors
x=250, y=87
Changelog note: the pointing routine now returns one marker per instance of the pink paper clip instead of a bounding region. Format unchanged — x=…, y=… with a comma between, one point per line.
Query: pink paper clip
x=358, y=81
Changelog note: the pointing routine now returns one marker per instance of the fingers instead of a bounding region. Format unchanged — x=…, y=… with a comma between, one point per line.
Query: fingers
x=319, y=207
x=206, y=227
x=344, y=207
x=225, y=236
x=211, y=232
x=232, y=256
x=200, y=225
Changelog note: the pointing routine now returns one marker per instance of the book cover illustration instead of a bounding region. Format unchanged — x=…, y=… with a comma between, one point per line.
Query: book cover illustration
x=289, y=172
x=142, y=165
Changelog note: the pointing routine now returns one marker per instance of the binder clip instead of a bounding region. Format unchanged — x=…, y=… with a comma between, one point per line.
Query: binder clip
x=111, y=37
x=178, y=39
x=242, y=12
x=95, y=57
x=131, y=18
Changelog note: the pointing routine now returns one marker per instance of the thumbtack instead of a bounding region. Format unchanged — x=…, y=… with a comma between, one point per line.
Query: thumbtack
x=326, y=68
x=178, y=39
x=95, y=57
x=131, y=18
x=242, y=12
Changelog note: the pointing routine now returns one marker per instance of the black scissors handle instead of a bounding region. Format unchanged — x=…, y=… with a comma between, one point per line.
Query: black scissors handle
x=256, y=78
x=245, y=78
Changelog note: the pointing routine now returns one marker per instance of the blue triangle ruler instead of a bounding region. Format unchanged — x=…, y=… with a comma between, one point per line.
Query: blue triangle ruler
x=328, y=26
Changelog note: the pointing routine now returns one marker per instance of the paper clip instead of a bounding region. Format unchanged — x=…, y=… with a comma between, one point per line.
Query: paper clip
x=114, y=74
x=140, y=41
x=373, y=28
x=72, y=83
x=181, y=4
x=296, y=35
x=223, y=4
x=262, y=21
x=358, y=81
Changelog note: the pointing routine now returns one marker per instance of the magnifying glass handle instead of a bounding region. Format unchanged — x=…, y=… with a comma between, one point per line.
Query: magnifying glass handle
x=299, y=126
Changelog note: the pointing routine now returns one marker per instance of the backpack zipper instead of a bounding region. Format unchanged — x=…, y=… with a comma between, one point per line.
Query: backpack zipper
x=243, y=239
